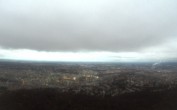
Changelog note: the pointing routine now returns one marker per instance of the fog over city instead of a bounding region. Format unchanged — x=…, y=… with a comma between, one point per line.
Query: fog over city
x=88, y=30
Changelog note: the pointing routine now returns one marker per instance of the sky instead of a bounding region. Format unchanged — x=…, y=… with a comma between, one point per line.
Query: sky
x=88, y=30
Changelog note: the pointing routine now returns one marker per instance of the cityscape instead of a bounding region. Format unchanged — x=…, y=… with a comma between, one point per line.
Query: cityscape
x=88, y=54
x=101, y=80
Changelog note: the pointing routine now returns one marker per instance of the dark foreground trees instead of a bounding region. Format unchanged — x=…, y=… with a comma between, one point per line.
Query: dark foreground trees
x=52, y=99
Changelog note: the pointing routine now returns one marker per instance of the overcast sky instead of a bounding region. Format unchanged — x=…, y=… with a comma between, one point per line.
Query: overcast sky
x=117, y=28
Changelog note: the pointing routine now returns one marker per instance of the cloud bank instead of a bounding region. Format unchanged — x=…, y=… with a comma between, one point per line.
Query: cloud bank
x=93, y=25
x=139, y=28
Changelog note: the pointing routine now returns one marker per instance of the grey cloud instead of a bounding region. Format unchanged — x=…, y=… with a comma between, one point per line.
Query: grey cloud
x=95, y=25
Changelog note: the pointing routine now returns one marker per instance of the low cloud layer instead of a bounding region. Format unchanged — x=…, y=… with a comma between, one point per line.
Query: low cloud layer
x=90, y=25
